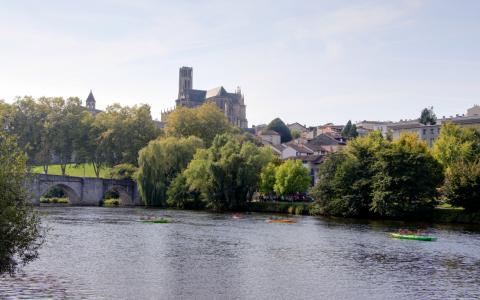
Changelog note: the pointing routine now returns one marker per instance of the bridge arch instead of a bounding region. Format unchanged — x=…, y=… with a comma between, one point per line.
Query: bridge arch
x=124, y=193
x=74, y=198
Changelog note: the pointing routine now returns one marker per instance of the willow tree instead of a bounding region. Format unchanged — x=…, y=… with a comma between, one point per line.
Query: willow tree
x=20, y=234
x=227, y=173
x=159, y=163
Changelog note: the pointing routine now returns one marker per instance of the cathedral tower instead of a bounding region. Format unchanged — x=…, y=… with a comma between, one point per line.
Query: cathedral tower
x=185, y=82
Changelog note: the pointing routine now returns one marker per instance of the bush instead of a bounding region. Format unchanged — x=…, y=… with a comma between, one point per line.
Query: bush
x=462, y=186
x=55, y=200
x=111, y=202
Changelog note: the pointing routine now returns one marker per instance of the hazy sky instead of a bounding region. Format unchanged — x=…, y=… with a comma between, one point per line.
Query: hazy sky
x=309, y=61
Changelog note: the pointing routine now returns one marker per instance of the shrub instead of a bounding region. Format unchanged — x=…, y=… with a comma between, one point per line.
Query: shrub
x=111, y=202
x=462, y=185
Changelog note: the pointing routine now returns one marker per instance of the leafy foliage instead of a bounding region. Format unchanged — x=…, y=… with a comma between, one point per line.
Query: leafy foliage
x=291, y=177
x=160, y=162
x=204, y=122
x=20, y=231
x=349, y=131
x=278, y=126
x=180, y=195
x=123, y=171
x=406, y=178
x=376, y=176
x=267, y=178
x=227, y=173
x=428, y=117
x=456, y=144
x=462, y=185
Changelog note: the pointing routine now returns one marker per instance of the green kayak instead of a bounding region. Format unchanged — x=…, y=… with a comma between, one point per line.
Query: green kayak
x=156, y=221
x=413, y=237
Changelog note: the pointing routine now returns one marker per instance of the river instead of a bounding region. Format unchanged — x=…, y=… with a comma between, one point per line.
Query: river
x=106, y=253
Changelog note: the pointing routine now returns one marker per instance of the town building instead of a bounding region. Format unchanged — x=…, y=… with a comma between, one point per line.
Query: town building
x=270, y=136
x=427, y=133
x=297, y=126
x=232, y=104
x=363, y=127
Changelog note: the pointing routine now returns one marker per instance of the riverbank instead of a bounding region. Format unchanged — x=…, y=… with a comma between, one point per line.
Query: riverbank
x=437, y=215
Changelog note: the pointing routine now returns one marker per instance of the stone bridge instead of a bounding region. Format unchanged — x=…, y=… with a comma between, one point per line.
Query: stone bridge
x=82, y=190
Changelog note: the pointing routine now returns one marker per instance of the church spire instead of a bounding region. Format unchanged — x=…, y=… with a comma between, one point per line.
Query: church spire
x=90, y=102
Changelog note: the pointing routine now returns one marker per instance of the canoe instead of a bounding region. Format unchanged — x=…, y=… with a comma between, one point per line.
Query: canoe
x=285, y=221
x=413, y=237
x=156, y=221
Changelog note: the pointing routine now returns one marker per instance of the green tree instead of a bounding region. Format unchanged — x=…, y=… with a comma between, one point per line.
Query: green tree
x=122, y=132
x=462, y=185
x=295, y=133
x=456, y=144
x=427, y=117
x=65, y=134
x=345, y=180
x=349, y=131
x=267, y=178
x=160, y=162
x=20, y=234
x=123, y=172
x=26, y=122
x=278, y=126
x=227, y=173
x=291, y=177
x=406, y=179
x=180, y=195
x=204, y=122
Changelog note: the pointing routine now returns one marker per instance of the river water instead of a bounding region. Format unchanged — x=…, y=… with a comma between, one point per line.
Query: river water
x=107, y=253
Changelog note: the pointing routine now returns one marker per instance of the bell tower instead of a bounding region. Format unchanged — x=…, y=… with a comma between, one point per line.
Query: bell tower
x=185, y=82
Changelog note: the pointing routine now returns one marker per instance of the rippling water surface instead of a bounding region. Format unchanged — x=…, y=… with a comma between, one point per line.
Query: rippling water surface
x=106, y=253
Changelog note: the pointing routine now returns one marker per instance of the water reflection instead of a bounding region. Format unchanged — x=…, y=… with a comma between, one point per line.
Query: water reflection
x=108, y=253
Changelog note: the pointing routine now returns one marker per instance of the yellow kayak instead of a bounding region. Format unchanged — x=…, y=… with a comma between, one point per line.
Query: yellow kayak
x=285, y=221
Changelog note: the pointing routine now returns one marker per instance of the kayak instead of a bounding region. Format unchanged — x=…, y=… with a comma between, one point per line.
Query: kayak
x=156, y=221
x=413, y=237
x=285, y=221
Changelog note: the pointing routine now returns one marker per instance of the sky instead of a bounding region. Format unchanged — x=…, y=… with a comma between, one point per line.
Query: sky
x=306, y=61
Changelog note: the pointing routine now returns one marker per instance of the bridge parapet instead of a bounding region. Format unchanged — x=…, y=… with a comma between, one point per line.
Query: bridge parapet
x=83, y=190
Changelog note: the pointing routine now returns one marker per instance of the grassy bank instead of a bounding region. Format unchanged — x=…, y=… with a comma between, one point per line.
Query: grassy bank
x=442, y=214
x=80, y=170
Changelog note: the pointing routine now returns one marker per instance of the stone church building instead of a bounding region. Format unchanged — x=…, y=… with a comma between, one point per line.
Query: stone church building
x=232, y=104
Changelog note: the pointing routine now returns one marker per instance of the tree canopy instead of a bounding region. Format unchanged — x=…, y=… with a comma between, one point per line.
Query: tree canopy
x=160, y=162
x=291, y=177
x=349, y=131
x=227, y=173
x=278, y=126
x=20, y=233
x=373, y=176
x=428, y=117
x=205, y=122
